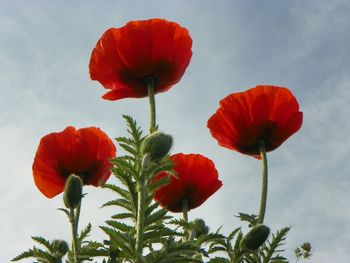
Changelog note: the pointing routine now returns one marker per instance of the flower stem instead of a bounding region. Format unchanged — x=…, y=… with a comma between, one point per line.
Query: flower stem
x=74, y=222
x=185, y=210
x=263, y=200
x=141, y=183
x=187, y=232
x=140, y=218
x=152, y=104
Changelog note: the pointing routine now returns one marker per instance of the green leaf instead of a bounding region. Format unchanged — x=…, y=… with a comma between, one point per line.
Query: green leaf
x=64, y=210
x=150, y=209
x=118, y=190
x=43, y=242
x=84, y=233
x=23, y=255
x=251, y=219
x=120, y=226
x=122, y=216
x=156, y=216
x=121, y=203
x=160, y=182
x=274, y=245
x=120, y=240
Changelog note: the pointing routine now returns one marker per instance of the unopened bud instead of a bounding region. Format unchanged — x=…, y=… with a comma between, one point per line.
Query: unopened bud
x=199, y=228
x=255, y=238
x=157, y=144
x=60, y=247
x=73, y=192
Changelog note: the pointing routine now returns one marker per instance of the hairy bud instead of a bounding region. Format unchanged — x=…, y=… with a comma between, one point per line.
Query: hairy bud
x=60, y=247
x=157, y=145
x=199, y=228
x=73, y=192
x=255, y=238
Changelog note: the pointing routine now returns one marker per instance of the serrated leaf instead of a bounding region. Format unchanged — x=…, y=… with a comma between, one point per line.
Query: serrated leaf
x=251, y=219
x=64, y=211
x=122, y=216
x=233, y=233
x=154, y=217
x=150, y=209
x=160, y=182
x=121, y=203
x=84, y=233
x=121, y=240
x=43, y=242
x=120, y=226
x=212, y=237
x=118, y=190
x=272, y=246
x=23, y=255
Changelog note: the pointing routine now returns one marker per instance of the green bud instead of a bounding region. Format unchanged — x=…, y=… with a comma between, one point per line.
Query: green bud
x=199, y=228
x=157, y=144
x=255, y=238
x=73, y=192
x=60, y=247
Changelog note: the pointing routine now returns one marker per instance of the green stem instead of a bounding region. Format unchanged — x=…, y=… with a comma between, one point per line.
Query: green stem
x=263, y=200
x=187, y=232
x=77, y=216
x=141, y=182
x=140, y=218
x=152, y=104
x=73, y=221
x=185, y=210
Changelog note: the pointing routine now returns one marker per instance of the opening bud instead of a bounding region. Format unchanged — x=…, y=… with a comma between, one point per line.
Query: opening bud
x=255, y=238
x=73, y=191
x=157, y=145
x=60, y=247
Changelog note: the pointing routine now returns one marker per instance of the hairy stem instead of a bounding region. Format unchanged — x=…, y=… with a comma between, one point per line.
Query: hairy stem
x=141, y=183
x=152, y=104
x=263, y=199
x=140, y=219
x=185, y=210
x=73, y=220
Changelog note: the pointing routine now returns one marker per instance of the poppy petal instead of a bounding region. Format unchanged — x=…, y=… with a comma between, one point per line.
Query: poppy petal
x=84, y=152
x=124, y=57
x=267, y=113
x=197, y=180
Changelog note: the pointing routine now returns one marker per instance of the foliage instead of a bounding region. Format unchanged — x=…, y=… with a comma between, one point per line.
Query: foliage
x=163, y=238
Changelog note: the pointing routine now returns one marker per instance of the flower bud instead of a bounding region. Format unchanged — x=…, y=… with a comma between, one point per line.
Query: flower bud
x=60, y=247
x=73, y=191
x=255, y=238
x=199, y=228
x=157, y=144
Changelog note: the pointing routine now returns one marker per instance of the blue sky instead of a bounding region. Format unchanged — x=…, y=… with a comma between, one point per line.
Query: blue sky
x=45, y=48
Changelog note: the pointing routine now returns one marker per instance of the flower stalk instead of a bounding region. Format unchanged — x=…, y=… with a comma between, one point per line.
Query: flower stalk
x=73, y=219
x=141, y=183
x=185, y=209
x=140, y=219
x=264, y=186
x=152, y=104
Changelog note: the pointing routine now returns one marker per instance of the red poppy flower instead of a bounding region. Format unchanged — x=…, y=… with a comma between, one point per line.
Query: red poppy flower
x=266, y=113
x=124, y=57
x=84, y=152
x=197, y=180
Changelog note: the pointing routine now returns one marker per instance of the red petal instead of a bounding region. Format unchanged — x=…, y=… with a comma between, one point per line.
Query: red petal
x=124, y=56
x=197, y=180
x=267, y=113
x=84, y=152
